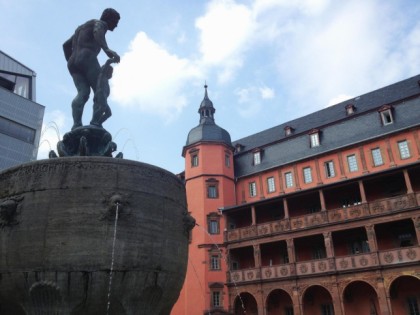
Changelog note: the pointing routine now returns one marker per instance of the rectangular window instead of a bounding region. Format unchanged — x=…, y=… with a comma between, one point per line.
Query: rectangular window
x=227, y=160
x=212, y=191
x=307, y=175
x=214, y=226
x=252, y=189
x=271, y=184
x=377, y=157
x=327, y=309
x=17, y=130
x=257, y=158
x=386, y=117
x=404, y=150
x=413, y=306
x=288, y=177
x=194, y=160
x=329, y=169
x=216, y=299
x=214, y=262
x=352, y=163
x=314, y=140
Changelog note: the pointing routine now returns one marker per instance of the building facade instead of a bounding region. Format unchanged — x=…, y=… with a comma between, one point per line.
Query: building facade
x=319, y=215
x=20, y=116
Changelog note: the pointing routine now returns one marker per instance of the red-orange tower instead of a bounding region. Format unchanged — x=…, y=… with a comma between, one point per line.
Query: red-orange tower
x=209, y=180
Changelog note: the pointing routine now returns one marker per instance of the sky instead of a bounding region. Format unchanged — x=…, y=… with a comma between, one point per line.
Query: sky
x=265, y=62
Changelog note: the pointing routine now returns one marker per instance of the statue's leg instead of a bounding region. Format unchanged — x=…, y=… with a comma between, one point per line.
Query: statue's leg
x=83, y=91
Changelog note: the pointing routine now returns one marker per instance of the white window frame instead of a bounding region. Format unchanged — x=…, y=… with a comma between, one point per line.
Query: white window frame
x=271, y=184
x=216, y=298
x=329, y=169
x=404, y=149
x=257, y=158
x=314, y=139
x=215, y=262
x=352, y=163
x=212, y=192
x=307, y=175
x=252, y=189
x=288, y=178
x=377, y=157
x=386, y=117
x=194, y=160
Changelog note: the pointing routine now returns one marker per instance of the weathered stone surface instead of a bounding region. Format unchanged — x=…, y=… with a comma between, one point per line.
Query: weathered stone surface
x=60, y=243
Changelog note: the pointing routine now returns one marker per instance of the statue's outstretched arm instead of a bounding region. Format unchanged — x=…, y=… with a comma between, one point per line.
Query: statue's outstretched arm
x=99, y=34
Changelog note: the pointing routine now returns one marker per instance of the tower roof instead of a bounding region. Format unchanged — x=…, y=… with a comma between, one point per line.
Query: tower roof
x=207, y=130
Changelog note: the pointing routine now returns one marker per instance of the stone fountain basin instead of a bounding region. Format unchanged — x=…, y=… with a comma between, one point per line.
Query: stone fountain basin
x=57, y=227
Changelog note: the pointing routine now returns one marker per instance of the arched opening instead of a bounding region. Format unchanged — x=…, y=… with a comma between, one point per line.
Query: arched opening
x=405, y=295
x=279, y=302
x=317, y=301
x=360, y=297
x=245, y=304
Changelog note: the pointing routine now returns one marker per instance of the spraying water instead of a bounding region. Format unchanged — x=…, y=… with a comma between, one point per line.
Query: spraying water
x=112, y=258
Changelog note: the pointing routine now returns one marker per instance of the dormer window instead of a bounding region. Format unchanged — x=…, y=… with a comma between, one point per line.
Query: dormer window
x=350, y=109
x=314, y=138
x=238, y=148
x=257, y=157
x=288, y=131
x=386, y=115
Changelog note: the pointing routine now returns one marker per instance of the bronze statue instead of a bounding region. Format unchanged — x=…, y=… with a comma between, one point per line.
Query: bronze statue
x=81, y=51
x=101, y=109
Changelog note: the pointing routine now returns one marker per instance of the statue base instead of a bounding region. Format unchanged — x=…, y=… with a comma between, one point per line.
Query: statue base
x=86, y=141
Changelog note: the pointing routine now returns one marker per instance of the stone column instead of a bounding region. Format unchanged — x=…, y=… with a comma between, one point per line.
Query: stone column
x=296, y=299
x=253, y=216
x=322, y=200
x=362, y=191
x=338, y=304
x=257, y=256
x=383, y=298
x=286, y=208
x=328, y=244
x=291, y=250
x=416, y=221
x=408, y=182
x=371, y=236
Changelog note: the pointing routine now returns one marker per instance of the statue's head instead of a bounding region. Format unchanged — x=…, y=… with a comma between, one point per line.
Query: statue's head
x=111, y=17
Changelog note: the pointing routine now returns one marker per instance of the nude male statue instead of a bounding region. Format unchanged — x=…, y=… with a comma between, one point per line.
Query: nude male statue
x=81, y=51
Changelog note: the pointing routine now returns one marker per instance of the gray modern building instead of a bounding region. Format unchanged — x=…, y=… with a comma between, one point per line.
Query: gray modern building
x=20, y=116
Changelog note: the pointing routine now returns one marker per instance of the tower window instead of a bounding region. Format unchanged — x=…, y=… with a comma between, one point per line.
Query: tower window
x=194, y=160
x=216, y=299
x=227, y=160
x=212, y=186
x=214, y=262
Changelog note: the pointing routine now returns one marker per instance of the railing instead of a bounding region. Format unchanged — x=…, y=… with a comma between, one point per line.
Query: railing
x=340, y=264
x=330, y=216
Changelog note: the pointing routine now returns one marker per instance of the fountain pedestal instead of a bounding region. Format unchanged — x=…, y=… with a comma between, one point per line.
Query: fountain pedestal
x=57, y=225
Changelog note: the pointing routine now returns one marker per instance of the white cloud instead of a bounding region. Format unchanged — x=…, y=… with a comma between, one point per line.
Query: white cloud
x=338, y=99
x=151, y=79
x=250, y=99
x=225, y=30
